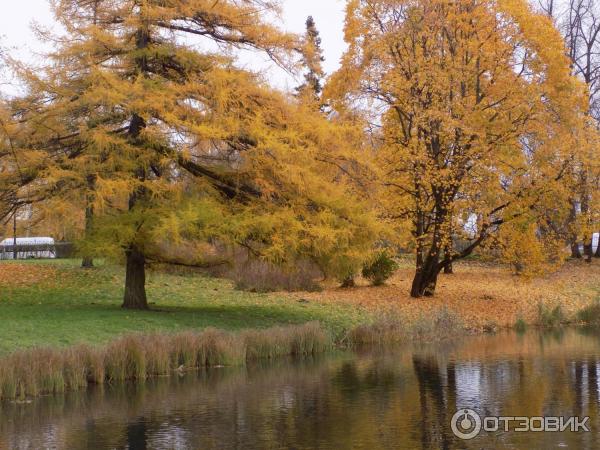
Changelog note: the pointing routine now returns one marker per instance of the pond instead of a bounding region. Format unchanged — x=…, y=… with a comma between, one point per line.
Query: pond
x=400, y=399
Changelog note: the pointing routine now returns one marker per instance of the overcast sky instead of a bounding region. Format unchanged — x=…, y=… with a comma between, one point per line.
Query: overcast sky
x=17, y=16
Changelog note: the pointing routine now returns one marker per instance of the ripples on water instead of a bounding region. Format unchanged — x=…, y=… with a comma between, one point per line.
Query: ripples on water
x=401, y=399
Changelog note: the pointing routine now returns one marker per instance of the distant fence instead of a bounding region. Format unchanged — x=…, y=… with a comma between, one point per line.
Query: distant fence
x=41, y=251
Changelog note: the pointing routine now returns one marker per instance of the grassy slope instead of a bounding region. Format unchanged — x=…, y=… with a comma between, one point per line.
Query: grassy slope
x=56, y=303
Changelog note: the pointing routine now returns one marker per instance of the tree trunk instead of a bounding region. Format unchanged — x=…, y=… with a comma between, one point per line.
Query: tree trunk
x=575, y=252
x=448, y=268
x=135, y=280
x=15, y=252
x=588, y=250
x=426, y=276
x=424, y=283
x=88, y=260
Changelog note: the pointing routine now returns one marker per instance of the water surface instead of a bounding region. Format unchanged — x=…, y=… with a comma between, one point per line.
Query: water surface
x=401, y=399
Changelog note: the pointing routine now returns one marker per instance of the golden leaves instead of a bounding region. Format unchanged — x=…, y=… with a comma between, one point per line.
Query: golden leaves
x=479, y=294
x=15, y=274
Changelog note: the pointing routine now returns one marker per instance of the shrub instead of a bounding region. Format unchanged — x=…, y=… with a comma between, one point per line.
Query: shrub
x=260, y=276
x=379, y=269
x=590, y=315
x=520, y=325
x=550, y=318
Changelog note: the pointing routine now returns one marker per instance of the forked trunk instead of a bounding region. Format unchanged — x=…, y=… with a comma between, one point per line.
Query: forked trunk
x=135, y=280
x=425, y=279
x=428, y=268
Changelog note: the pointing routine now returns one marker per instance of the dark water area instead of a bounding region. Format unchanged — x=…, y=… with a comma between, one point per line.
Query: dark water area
x=400, y=399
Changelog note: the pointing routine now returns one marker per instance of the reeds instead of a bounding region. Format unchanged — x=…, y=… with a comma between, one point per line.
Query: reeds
x=550, y=318
x=391, y=328
x=138, y=357
x=589, y=315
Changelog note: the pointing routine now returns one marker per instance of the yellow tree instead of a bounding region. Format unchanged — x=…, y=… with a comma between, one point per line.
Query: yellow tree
x=474, y=106
x=181, y=142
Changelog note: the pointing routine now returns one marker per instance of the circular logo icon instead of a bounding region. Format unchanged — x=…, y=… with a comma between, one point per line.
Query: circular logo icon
x=466, y=424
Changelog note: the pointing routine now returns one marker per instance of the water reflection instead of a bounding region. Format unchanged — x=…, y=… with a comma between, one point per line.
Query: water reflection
x=371, y=400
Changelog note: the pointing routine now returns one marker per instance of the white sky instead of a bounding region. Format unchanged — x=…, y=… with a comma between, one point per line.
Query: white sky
x=16, y=17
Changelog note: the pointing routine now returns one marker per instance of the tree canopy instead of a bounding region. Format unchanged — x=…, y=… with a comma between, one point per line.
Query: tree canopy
x=477, y=116
x=167, y=140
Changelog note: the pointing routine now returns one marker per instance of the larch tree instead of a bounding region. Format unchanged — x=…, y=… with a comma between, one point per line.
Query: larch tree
x=144, y=98
x=475, y=112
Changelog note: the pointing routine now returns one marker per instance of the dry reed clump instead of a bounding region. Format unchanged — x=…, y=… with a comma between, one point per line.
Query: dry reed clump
x=308, y=339
x=387, y=328
x=392, y=328
x=185, y=350
x=137, y=357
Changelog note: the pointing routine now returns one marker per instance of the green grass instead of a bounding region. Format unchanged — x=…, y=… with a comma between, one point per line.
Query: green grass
x=83, y=306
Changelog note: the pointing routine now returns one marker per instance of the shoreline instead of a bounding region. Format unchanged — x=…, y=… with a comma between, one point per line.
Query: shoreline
x=135, y=358
x=74, y=315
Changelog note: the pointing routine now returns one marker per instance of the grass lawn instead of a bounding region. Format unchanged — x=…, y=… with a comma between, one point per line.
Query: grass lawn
x=50, y=303
x=55, y=303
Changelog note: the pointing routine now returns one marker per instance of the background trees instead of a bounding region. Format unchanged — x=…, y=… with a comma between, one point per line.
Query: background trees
x=312, y=60
x=476, y=114
x=579, y=23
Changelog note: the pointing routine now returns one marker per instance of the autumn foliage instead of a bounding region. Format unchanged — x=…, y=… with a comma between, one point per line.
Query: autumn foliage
x=450, y=128
x=479, y=118
x=162, y=141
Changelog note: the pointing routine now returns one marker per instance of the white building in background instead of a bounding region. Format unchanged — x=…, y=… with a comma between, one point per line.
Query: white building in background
x=29, y=247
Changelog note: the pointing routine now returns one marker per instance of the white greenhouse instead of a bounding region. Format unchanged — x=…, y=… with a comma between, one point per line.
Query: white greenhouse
x=28, y=248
